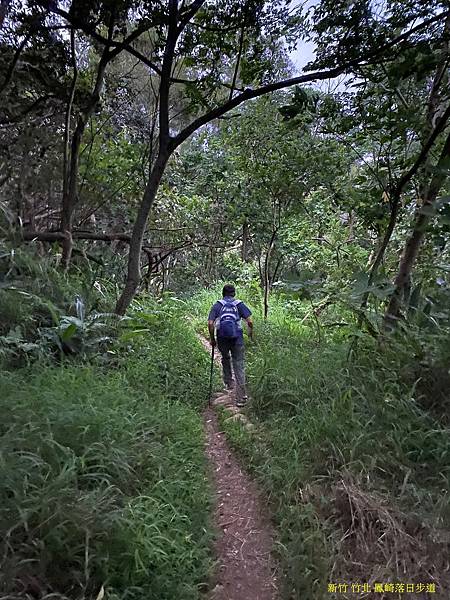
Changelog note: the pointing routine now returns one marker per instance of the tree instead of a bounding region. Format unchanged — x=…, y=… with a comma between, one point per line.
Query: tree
x=432, y=177
x=273, y=168
x=180, y=27
x=193, y=53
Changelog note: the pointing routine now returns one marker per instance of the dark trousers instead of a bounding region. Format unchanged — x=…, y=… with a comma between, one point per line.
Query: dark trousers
x=233, y=352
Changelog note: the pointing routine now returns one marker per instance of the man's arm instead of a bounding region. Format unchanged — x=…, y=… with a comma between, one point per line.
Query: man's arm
x=211, y=329
x=246, y=315
x=213, y=314
x=249, y=327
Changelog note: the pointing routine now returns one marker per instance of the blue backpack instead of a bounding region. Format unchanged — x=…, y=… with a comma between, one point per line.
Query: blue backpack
x=228, y=323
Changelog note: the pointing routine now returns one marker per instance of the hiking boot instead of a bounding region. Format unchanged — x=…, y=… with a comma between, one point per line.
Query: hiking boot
x=241, y=402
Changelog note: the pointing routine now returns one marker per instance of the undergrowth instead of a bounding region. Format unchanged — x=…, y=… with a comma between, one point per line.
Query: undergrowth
x=103, y=471
x=47, y=314
x=354, y=465
x=101, y=456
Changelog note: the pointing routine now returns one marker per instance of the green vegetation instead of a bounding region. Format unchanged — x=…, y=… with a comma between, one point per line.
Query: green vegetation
x=356, y=468
x=103, y=472
x=150, y=151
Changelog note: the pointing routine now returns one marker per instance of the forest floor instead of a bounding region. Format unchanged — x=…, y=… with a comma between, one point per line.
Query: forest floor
x=245, y=567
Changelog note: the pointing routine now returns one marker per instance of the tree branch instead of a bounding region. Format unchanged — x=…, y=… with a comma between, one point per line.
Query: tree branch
x=66, y=147
x=238, y=59
x=118, y=46
x=164, y=88
x=188, y=13
x=14, y=62
x=408, y=175
x=57, y=236
x=26, y=111
x=249, y=93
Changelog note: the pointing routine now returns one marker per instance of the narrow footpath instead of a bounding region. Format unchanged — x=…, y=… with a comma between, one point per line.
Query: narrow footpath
x=245, y=568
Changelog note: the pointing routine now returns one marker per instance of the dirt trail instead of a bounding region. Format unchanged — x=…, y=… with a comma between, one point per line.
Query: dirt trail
x=245, y=567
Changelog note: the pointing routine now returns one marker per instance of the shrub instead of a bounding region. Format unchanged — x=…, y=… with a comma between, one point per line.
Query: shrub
x=103, y=475
x=356, y=469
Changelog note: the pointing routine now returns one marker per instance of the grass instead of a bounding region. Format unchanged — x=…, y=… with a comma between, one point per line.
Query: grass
x=46, y=313
x=103, y=472
x=355, y=468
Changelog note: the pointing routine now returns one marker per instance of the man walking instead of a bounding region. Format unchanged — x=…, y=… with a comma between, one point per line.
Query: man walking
x=225, y=330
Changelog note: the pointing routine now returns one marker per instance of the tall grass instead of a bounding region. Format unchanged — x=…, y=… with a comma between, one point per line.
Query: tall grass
x=102, y=470
x=354, y=464
x=47, y=314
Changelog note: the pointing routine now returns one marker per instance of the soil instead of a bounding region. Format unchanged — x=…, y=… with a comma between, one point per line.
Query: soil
x=245, y=568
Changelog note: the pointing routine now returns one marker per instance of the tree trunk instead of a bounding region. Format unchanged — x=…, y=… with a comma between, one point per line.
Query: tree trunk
x=211, y=262
x=67, y=201
x=431, y=133
x=19, y=202
x=423, y=214
x=164, y=270
x=266, y=273
x=266, y=298
x=395, y=205
x=134, y=257
x=4, y=6
x=15, y=60
x=166, y=147
x=70, y=198
x=70, y=195
x=245, y=235
x=402, y=281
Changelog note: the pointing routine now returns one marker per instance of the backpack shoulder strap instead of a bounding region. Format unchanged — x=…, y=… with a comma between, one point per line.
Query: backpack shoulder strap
x=236, y=302
x=222, y=303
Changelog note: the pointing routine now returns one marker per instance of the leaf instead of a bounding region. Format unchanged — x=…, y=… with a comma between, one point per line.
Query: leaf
x=415, y=296
x=66, y=319
x=99, y=340
x=101, y=593
x=68, y=332
x=134, y=333
x=381, y=293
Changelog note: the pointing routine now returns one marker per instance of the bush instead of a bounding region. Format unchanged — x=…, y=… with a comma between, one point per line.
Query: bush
x=355, y=467
x=46, y=313
x=103, y=475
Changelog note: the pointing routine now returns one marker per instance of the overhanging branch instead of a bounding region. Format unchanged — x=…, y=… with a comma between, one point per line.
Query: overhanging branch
x=248, y=94
x=56, y=236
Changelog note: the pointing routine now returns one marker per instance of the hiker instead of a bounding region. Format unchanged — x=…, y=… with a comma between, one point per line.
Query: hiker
x=224, y=322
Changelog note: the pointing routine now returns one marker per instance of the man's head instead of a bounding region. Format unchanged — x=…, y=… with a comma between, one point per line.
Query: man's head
x=228, y=291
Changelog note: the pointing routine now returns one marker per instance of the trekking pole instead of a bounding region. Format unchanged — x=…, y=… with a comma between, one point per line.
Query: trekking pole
x=211, y=376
